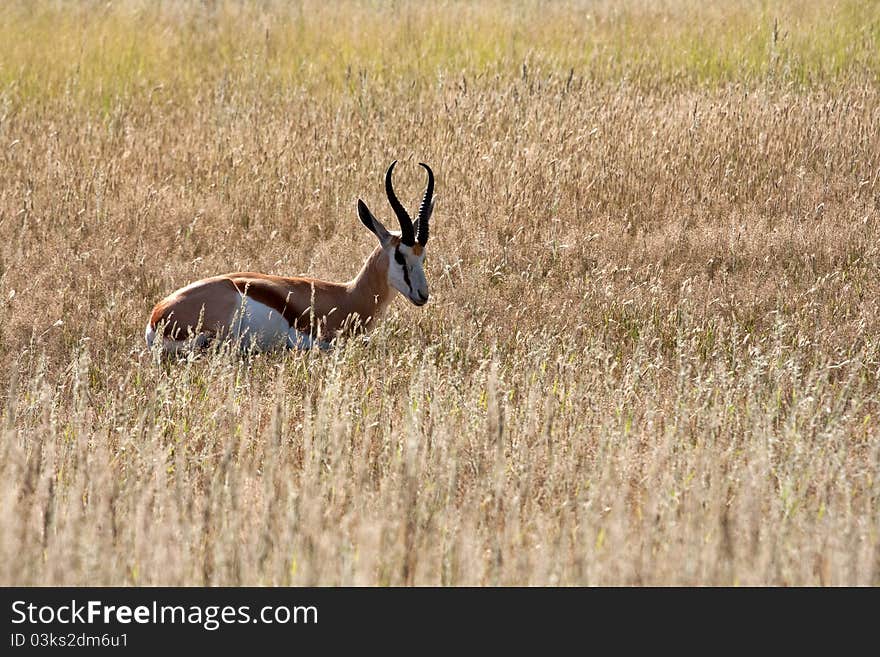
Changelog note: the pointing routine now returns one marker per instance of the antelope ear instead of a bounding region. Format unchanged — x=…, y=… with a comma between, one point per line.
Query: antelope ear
x=374, y=225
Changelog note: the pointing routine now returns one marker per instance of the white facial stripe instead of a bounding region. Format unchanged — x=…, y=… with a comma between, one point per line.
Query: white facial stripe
x=406, y=273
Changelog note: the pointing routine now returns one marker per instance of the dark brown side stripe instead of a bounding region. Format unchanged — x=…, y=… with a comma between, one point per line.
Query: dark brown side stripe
x=269, y=297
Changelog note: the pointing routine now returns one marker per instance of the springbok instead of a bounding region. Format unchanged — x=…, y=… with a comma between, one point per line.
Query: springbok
x=263, y=312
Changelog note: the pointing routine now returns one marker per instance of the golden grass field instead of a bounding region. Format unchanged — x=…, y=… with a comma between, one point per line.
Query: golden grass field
x=652, y=350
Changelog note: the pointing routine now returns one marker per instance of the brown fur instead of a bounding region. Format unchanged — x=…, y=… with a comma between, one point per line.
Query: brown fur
x=183, y=312
x=338, y=307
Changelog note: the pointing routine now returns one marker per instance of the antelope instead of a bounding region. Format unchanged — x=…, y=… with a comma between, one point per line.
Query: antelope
x=264, y=312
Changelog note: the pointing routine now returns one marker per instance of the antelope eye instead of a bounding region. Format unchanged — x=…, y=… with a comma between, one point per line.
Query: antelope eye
x=398, y=257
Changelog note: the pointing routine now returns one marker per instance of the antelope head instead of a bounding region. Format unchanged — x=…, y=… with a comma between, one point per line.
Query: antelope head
x=405, y=250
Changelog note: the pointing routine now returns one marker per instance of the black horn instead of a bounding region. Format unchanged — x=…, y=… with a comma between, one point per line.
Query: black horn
x=406, y=227
x=426, y=208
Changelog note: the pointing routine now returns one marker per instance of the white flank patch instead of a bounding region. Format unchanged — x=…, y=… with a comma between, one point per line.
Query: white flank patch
x=256, y=327
x=259, y=327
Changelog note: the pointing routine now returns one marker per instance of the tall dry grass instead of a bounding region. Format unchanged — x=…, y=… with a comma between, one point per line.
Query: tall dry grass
x=651, y=354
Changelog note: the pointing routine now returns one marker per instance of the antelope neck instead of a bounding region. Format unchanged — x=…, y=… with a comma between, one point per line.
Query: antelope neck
x=369, y=291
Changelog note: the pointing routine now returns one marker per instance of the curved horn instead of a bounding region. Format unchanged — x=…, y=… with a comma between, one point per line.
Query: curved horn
x=426, y=208
x=406, y=227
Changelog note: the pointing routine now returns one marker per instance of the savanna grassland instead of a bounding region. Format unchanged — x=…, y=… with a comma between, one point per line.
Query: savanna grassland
x=652, y=350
